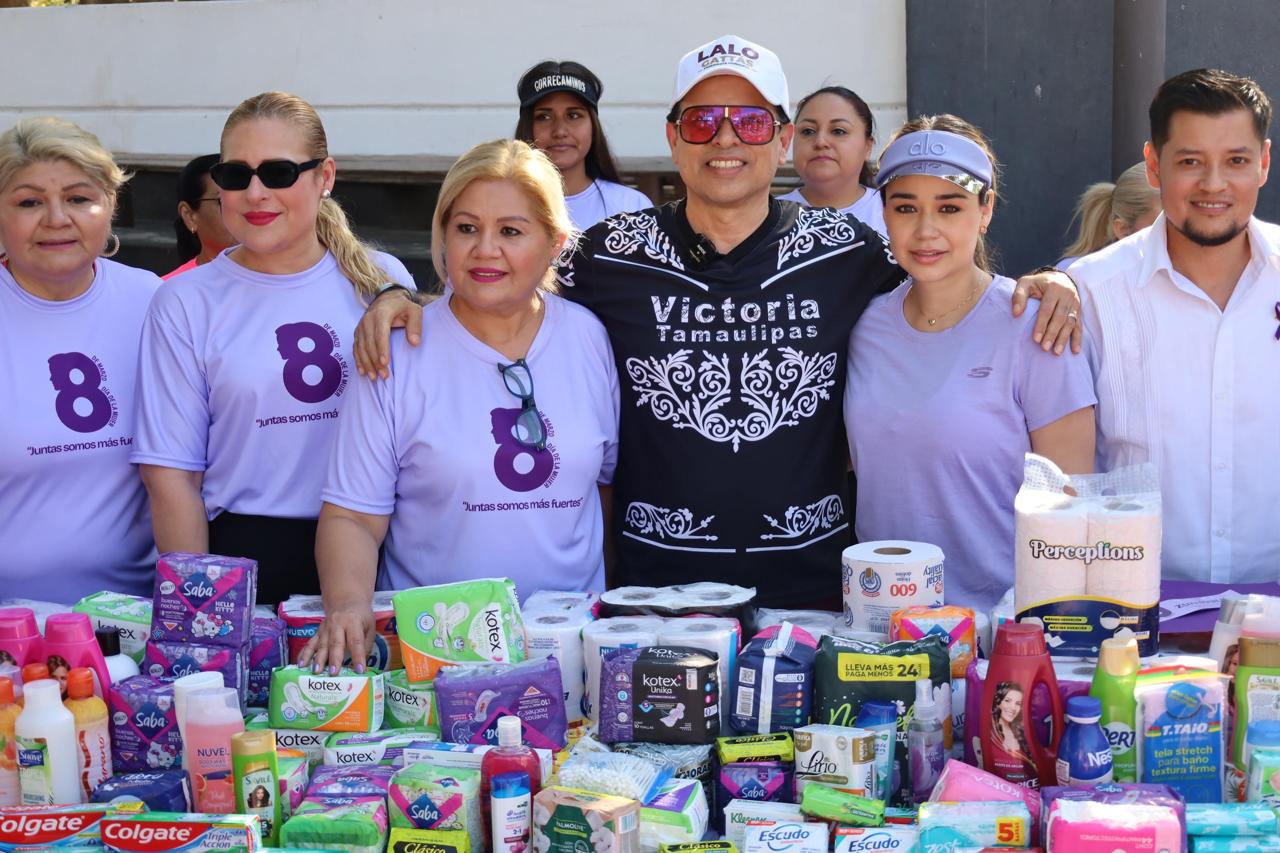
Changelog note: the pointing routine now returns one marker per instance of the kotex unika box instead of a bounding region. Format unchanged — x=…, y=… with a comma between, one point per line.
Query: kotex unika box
x=57, y=827
x=128, y=614
x=204, y=598
x=267, y=651
x=346, y=702
x=174, y=660
x=471, y=699
x=302, y=615
x=155, y=832
x=144, y=725
x=475, y=621
x=659, y=694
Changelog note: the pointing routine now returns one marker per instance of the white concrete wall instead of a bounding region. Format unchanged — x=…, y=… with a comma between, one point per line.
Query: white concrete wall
x=396, y=78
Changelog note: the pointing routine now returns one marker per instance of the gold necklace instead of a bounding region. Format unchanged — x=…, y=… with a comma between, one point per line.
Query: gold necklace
x=976, y=284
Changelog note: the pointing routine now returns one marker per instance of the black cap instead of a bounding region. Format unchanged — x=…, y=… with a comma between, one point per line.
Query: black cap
x=547, y=77
x=108, y=641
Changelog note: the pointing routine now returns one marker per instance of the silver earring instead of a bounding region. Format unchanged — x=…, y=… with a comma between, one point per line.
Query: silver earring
x=111, y=253
x=325, y=194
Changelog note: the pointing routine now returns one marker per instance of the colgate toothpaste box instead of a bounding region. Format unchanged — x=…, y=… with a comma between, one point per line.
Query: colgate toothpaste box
x=60, y=827
x=172, y=831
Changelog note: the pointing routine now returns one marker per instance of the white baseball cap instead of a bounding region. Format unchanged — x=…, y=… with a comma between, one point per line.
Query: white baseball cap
x=758, y=65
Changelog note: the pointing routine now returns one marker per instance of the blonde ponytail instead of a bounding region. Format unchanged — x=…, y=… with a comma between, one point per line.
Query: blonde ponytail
x=1129, y=199
x=333, y=230
x=1093, y=212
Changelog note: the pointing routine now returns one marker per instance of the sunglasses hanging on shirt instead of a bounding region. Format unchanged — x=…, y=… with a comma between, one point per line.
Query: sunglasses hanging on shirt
x=274, y=174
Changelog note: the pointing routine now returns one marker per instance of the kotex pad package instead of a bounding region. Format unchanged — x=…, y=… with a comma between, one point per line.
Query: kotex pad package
x=66, y=827
x=677, y=814
x=475, y=621
x=153, y=832
x=424, y=797
x=158, y=790
x=128, y=614
x=347, y=702
x=948, y=826
x=302, y=615
x=471, y=699
x=174, y=660
x=570, y=821
x=847, y=673
x=267, y=651
x=310, y=743
x=410, y=705
x=367, y=781
x=659, y=694
x=204, y=598
x=956, y=626
x=350, y=824
x=381, y=747
x=772, y=687
x=144, y=725
x=402, y=840
x=1181, y=742
x=738, y=813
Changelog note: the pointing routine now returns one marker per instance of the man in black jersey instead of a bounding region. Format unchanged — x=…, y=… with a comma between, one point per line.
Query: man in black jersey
x=729, y=313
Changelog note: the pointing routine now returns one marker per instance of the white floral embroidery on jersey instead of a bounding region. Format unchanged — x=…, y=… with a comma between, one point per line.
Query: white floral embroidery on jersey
x=774, y=395
x=814, y=226
x=631, y=231
x=808, y=520
x=667, y=523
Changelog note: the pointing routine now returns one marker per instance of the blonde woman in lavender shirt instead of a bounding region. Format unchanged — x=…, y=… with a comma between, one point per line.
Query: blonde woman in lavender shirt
x=946, y=391
x=487, y=451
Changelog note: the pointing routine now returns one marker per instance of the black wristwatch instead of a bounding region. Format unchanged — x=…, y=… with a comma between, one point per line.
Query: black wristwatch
x=390, y=286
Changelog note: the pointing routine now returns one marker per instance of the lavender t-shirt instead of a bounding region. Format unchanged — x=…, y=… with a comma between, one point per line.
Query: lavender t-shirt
x=73, y=512
x=433, y=448
x=938, y=425
x=242, y=376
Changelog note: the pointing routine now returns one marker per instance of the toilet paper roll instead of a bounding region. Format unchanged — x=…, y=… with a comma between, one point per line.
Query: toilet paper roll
x=1126, y=534
x=553, y=601
x=819, y=623
x=1045, y=522
x=718, y=635
x=606, y=635
x=559, y=635
x=879, y=578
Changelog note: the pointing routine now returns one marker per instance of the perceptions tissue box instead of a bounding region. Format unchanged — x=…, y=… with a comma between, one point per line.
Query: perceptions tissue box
x=454, y=623
x=63, y=827
x=792, y=836
x=351, y=824
x=160, y=790
x=945, y=826
x=470, y=700
x=570, y=821
x=772, y=686
x=174, y=660
x=266, y=652
x=204, y=598
x=128, y=614
x=347, y=702
x=303, y=614
x=144, y=725
x=382, y=747
x=677, y=814
x=410, y=704
x=425, y=797
x=659, y=694
x=159, y=831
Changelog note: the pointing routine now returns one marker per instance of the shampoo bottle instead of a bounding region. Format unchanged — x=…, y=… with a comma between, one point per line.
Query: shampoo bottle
x=184, y=687
x=882, y=718
x=69, y=643
x=509, y=755
x=19, y=636
x=10, y=793
x=256, y=769
x=93, y=736
x=510, y=807
x=46, y=734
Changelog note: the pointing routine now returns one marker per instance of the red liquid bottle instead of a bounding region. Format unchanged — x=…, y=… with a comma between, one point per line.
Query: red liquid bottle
x=509, y=755
x=1019, y=664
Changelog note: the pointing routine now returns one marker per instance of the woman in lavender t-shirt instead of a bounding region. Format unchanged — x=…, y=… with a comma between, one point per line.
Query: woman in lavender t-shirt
x=246, y=360
x=454, y=461
x=946, y=391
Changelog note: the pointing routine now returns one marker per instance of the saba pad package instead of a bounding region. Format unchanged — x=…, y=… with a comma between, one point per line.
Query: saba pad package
x=659, y=694
x=849, y=672
x=471, y=699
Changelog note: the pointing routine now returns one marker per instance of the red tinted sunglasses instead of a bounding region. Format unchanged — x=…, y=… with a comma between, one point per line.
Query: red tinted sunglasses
x=699, y=125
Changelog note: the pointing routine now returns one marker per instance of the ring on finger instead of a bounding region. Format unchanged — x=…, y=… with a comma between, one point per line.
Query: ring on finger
x=1073, y=315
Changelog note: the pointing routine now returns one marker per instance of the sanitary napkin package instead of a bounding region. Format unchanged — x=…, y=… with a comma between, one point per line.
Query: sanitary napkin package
x=204, y=598
x=474, y=621
x=472, y=698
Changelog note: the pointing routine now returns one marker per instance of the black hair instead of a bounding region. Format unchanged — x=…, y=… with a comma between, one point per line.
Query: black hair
x=867, y=177
x=191, y=189
x=1208, y=91
x=599, y=160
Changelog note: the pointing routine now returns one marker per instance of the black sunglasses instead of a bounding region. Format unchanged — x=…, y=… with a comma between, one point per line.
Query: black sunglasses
x=530, y=432
x=274, y=174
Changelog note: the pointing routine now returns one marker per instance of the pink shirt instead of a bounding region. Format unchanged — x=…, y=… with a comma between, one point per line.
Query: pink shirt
x=189, y=265
x=73, y=512
x=242, y=376
x=432, y=447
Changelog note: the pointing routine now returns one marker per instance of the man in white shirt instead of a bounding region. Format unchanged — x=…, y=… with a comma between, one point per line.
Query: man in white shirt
x=1182, y=326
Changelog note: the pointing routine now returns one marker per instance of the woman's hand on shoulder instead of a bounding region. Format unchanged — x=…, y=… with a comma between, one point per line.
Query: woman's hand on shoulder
x=1058, y=320
x=394, y=309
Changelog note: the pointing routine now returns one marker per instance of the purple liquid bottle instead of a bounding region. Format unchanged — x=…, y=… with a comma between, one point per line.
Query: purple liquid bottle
x=925, y=752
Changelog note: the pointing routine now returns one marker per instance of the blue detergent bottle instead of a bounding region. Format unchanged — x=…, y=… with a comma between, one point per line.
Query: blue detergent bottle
x=1084, y=756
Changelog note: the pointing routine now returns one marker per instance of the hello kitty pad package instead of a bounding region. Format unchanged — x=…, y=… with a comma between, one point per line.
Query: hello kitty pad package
x=204, y=598
x=475, y=621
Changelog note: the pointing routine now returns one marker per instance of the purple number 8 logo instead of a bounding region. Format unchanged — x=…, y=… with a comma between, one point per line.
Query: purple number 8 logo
x=289, y=339
x=62, y=370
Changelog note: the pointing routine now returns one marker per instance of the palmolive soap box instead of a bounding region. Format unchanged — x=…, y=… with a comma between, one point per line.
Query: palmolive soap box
x=172, y=831
x=128, y=614
x=346, y=702
x=57, y=826
x=204, y=598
